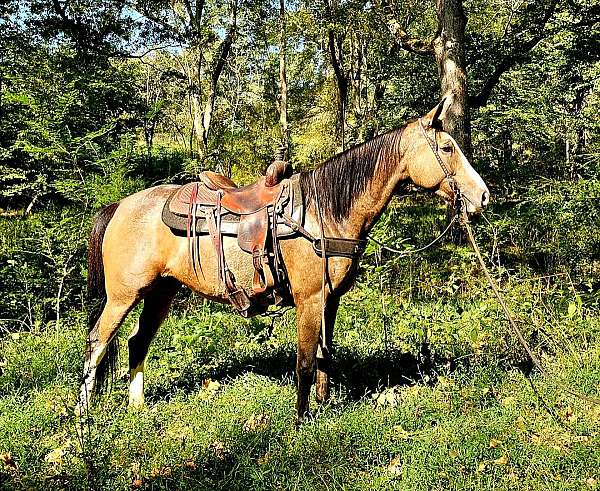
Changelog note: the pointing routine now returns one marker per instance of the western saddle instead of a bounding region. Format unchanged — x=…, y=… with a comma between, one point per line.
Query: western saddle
x=258, y=215
x=216, y=206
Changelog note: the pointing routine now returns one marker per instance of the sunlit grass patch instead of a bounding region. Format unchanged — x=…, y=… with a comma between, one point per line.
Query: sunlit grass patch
x=220, y=403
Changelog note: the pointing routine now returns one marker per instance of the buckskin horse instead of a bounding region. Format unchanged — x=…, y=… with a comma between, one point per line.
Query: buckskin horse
x=294, y=242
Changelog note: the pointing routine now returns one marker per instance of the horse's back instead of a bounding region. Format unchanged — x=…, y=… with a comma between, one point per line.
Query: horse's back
x=150, y=196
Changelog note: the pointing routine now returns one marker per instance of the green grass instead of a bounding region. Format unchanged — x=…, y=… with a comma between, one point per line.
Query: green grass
x=431, y=392
x=470, y=424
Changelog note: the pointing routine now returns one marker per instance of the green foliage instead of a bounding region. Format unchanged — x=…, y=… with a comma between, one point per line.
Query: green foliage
x=59, y=121
x=41, y=267
x=430, y=391
x=210, y=425
x=552, y=228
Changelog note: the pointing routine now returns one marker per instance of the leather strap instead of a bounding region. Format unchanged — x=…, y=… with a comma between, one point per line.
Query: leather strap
x=434, y=148
x=236, y=296
x=449, y=176
x=193, y=240
x=324, y=348
x=334, y=246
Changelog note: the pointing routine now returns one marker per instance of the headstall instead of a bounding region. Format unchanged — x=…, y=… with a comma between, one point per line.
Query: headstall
x=449, y=176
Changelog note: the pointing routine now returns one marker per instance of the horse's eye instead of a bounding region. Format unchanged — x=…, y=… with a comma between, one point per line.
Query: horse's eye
x=447, y=148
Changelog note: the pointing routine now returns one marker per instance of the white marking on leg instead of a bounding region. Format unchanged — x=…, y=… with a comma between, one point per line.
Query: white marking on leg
x=136, y=386
x=89, y=378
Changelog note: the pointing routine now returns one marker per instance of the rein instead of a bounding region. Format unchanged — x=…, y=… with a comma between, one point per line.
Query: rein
x=461, y=216
x=419, y=249
x=509, y=317
x=323, y=265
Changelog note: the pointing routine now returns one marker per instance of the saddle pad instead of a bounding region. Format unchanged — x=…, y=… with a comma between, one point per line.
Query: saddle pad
x=179, y=222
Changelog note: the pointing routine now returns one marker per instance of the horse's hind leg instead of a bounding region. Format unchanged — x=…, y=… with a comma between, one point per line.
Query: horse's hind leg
x=156, y=307
x=98, y=339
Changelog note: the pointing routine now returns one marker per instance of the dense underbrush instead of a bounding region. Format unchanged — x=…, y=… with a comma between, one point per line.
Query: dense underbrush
x=430, y=389
x=220, y=411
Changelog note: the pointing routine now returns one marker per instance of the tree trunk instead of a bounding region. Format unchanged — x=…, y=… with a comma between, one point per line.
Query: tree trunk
x=223, y=53
x=283, y=88
x=214, y=80
x=336, y=53
x=449, y=51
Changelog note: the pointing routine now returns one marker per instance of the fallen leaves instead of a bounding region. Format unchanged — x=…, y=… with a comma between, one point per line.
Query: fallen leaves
x=569, y=414
x=389, y=397
x=395, y=466
x=56, y=456
x=508, y=401
x=161, y=472
x=400, y=433
x=501, y=460
x=264, y=459
x=219, y=449
x=494, y=443
x=8, y=461
x=256, y=423
x=561, y=441
x=520, y=423
x=512, y=476
x=209, y=389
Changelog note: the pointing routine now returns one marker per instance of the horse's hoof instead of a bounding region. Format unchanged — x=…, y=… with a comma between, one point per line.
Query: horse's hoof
x=301, y=419
x=136, y=405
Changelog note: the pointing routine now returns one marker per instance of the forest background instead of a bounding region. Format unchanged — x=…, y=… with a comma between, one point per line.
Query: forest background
x=99, y=99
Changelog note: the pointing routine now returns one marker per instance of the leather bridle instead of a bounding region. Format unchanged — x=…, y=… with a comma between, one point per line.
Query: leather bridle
x=449, y=176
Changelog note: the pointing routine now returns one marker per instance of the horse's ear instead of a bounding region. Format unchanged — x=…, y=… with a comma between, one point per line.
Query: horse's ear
x=436, y=116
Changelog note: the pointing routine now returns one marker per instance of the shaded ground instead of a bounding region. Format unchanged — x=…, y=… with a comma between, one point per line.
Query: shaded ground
x=220, y=415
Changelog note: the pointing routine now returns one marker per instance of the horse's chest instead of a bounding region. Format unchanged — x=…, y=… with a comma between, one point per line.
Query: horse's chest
x=342, y=273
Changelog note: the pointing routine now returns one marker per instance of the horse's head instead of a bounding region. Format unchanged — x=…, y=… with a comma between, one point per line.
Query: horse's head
x=437, y=163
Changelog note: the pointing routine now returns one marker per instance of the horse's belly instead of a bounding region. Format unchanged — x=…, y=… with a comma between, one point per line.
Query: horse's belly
x=202, y=275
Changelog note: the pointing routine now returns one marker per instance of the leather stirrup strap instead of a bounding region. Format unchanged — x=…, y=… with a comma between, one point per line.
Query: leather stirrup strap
x=324, y=267
x=191, y=231
x=213, y=220
x=278, y=209
x=275, y=238
x=238, y=297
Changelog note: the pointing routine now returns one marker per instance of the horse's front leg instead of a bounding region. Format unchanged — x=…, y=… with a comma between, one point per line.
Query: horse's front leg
x=324, y=352
x=308, y=318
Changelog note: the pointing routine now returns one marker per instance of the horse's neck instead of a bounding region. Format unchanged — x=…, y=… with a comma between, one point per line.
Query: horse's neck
x=371, y=203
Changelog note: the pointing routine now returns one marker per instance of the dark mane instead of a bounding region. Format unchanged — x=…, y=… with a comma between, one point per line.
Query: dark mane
x=345, y=176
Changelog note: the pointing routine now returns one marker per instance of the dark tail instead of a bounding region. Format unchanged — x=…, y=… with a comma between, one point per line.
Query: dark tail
x=97, y=292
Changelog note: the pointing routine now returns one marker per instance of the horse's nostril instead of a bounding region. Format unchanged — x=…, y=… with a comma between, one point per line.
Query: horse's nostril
x=485, y=198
